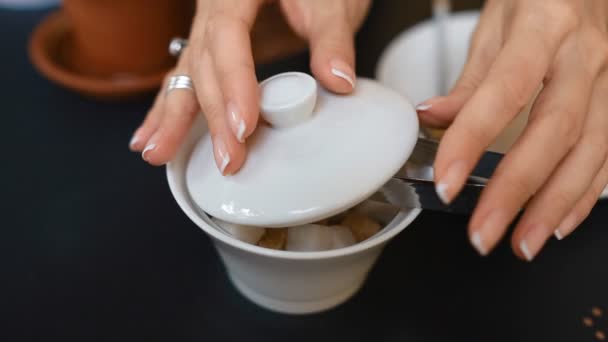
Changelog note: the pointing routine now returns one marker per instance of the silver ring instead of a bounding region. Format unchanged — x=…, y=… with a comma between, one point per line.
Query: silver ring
x=177, y=45
x=180, y=82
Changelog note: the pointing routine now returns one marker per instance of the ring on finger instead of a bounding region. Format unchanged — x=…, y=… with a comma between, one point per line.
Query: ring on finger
x=177, y=45
x=180, y=82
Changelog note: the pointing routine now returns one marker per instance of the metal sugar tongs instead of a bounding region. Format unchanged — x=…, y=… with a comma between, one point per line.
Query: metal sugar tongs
x=413, y=186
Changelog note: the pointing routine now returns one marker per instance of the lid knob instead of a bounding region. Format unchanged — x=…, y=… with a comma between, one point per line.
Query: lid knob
x=288, y=99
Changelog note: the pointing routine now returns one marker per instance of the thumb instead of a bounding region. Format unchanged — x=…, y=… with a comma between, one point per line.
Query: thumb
x=332, y=55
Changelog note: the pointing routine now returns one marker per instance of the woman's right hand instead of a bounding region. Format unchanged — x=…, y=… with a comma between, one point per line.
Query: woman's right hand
x=219, y=61
x=558, y=166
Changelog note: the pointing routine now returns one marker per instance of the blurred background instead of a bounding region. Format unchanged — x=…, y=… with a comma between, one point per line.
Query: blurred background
x=94, y=248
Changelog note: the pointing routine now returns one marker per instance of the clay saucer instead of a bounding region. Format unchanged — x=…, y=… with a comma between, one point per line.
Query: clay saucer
x=49, y=47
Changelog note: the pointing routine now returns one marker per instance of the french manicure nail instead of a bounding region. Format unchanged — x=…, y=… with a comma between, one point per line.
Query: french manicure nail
x=441, y=189
x=240, y=133
x=423, y=106
x=566, y=226
x=558, y=234
x=222, y=158
x=340, y=69
x=477, y=242
x=237, y=124
x=134, y=140
x=453, y=178
x=495, y=220
x=523, y=247
x=428, y=104
x=147, y=149
x=533, y=241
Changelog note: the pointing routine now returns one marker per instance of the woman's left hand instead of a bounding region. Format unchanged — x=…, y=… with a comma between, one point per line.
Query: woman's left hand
x=558, y=167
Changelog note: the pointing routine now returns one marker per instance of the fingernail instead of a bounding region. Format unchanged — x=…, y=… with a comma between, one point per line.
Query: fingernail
x=441, y=189
x=222, y=158
x=240, y=134
x=428, y=104
x=523, y=247
x=533, y=241
x=134, y=140
x=477, y=242
x=423, y=106
x=237, y=124
x=148, y=148
x=494, y=221
x=567, y=225
x=454, y=176
x=344, y=71
x=558, y=234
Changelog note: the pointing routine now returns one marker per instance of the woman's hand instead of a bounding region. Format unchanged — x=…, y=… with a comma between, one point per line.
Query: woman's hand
x=219, y=61
x=557, y=168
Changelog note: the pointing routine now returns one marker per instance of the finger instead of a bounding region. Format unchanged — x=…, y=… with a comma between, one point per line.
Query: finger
x=332, y=52
x=229, y=153
x=510, y=84
x=583, y=207
x=562, y=191
x=598, y=130
x=439, y=112
x=180, y=109
x=230, y=49
x=152, y=120
x=553, y=129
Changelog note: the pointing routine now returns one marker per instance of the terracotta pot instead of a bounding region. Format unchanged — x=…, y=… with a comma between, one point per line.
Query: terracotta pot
x=124, y=37
x=115, y=49
x=110, y=49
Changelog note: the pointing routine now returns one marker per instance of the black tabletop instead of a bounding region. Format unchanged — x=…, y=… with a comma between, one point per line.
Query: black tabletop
x=94, y=248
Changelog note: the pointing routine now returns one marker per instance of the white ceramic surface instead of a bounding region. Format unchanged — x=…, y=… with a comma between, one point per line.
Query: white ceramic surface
x=316, y=237
x=339, y=156
x=406, y=67
x=287, y=282
x=288, y=99
x=242, y=233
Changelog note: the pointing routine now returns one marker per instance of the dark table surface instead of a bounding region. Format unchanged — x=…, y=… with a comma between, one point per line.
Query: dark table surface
x=94, y=248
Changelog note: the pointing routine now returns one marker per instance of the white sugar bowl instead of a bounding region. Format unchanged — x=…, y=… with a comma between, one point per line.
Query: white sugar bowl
x=319, y=155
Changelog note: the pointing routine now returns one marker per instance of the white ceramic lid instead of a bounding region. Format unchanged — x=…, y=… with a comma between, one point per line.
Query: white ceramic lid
x=323, y=154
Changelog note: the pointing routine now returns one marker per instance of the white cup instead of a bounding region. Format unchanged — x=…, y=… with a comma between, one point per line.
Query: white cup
x=284, y=281
x=407, y=65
